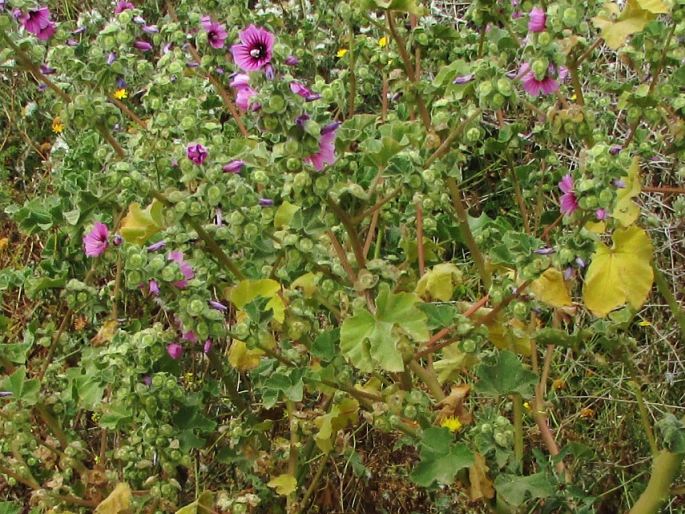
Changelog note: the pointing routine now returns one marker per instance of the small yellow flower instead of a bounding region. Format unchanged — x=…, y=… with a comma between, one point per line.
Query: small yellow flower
x=383, y=42
x=452, y=424
x=120, y=94
x=645, y=323
x=573, y=97
x=558, y=384
x=526, y=406
x=57, y=125
x=586, y=413
x=341, y=53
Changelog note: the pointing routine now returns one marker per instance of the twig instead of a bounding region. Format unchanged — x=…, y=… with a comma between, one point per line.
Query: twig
x=419, y=238
x=348, y=223
x=445, y=146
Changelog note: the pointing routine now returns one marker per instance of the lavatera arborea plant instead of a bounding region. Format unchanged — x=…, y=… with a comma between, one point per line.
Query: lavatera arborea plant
x=273, y=241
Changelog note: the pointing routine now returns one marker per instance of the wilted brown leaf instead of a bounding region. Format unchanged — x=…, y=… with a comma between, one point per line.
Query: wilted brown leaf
x=481, y=485
x=453, y=405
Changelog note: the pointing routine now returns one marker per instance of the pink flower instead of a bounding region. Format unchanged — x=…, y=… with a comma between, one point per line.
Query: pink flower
x=216, y=32
x=291, y=60
x=255, y=48
x=601, y=214
x=326, y=153
x=185, y=268
x=38, y=22
x=153, y=287
x=568, y=203
x=234, y=166
x=123, y=5
x=196, y=153
x=243, y=91
x=174, y=350
x=143, y=46
x=300, y=89
x=547, y=85
x=537, y=20
x=95, y=242
x=207, y=347
x=190, y=336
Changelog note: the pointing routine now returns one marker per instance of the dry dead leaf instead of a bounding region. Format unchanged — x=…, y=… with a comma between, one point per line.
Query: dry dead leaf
x=481, y=485
x=453, y=405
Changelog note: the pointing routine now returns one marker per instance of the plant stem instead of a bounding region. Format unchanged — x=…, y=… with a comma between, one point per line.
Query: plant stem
x=445, y=146
x=313, y=484
x=665, y=467
x=294, y=444
x=517, y=402
x=644, y=416
x=428, y=378
x=419, y=238
x=665, y=291
x=348, y=223
x=353, y=78
x=462, y=217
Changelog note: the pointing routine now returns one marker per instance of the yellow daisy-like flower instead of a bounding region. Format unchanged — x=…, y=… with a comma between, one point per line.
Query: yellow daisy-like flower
x=586, y=413
x=527, y=406
x=451, y=423
x=383, y=42
x=120, y=94
x=57, y=125
x=341, y=53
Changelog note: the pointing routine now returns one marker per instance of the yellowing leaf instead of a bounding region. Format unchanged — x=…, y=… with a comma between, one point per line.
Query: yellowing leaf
x=203, y=505
x=550, y=288
x=439, y=283
x=626, y=211
x=341, y=415
x=106, y=333
x=118, y=501
x=654, y=6
x=596, y=227
x=513, y=336
x=307, y=283
x=619, y=274
x=284, y=484
x=284, y=214
x=139, y=225
x=277, y=307
x=242, y=358
x=247, y=290
x=632, y=19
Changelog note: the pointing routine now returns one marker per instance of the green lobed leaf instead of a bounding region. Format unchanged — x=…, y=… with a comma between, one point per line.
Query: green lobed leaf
x=441, y=458
x=506, y=375
x=515, y=489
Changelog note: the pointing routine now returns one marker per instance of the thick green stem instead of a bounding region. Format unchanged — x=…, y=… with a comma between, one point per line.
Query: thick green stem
x=462, y=217
x=665, y=468
x=518, y=429
x=428, y=378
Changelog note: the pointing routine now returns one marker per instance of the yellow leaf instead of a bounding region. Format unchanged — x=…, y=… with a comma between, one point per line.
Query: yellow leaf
x=654, y=6
x=626, y=211
x=596, y=227
x=119, y=500
x=619, y=274
x=284, y=484
x=242, y=358
x=439, y=283
x=550, y=288
x=278, y=307
x=139, y=225
x=632, y=19
x=106, y=333
x=341, y=415
x=3, y=243
x=247, y=290
x=307, y=283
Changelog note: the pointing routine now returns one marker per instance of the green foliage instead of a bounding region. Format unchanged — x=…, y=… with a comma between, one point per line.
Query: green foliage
x=505, y=375
x=441, y=458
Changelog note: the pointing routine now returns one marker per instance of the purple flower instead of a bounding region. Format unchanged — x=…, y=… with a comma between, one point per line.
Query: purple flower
x=174, y=350
x=234, y=166
x=537, y=20
x=619, y=183
x=217, y=306
x=47, y=70
x=79, y=30
x=166, y=48
x=42, y=87
x=219, y=219
x=601, y=214
x=185, y=268
x=266, y=202
x=548, y=85
x=216, y=32
x=117, y=240
x=269, y=72
x=139, y=20
x=38, y=23
x=72, y=42
x=192, y=64
x=120, y=83
x=189, y=336
x=615, y=149
x=243, y=91
x=580, y=262
x=159, y=245
x=255, y=48
x=111, y=58
x=291, y=60
x=196, y=153
x=147, y=380
x=300, y=89
x=544, y=251
x=463, y=79
x=326, y=153
x=568, y=202
x=150, y=29
x=123, y=5
x=207, y=347
x=142, y=45
x=153, y=288
x=569, y=272
x=95, y=242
